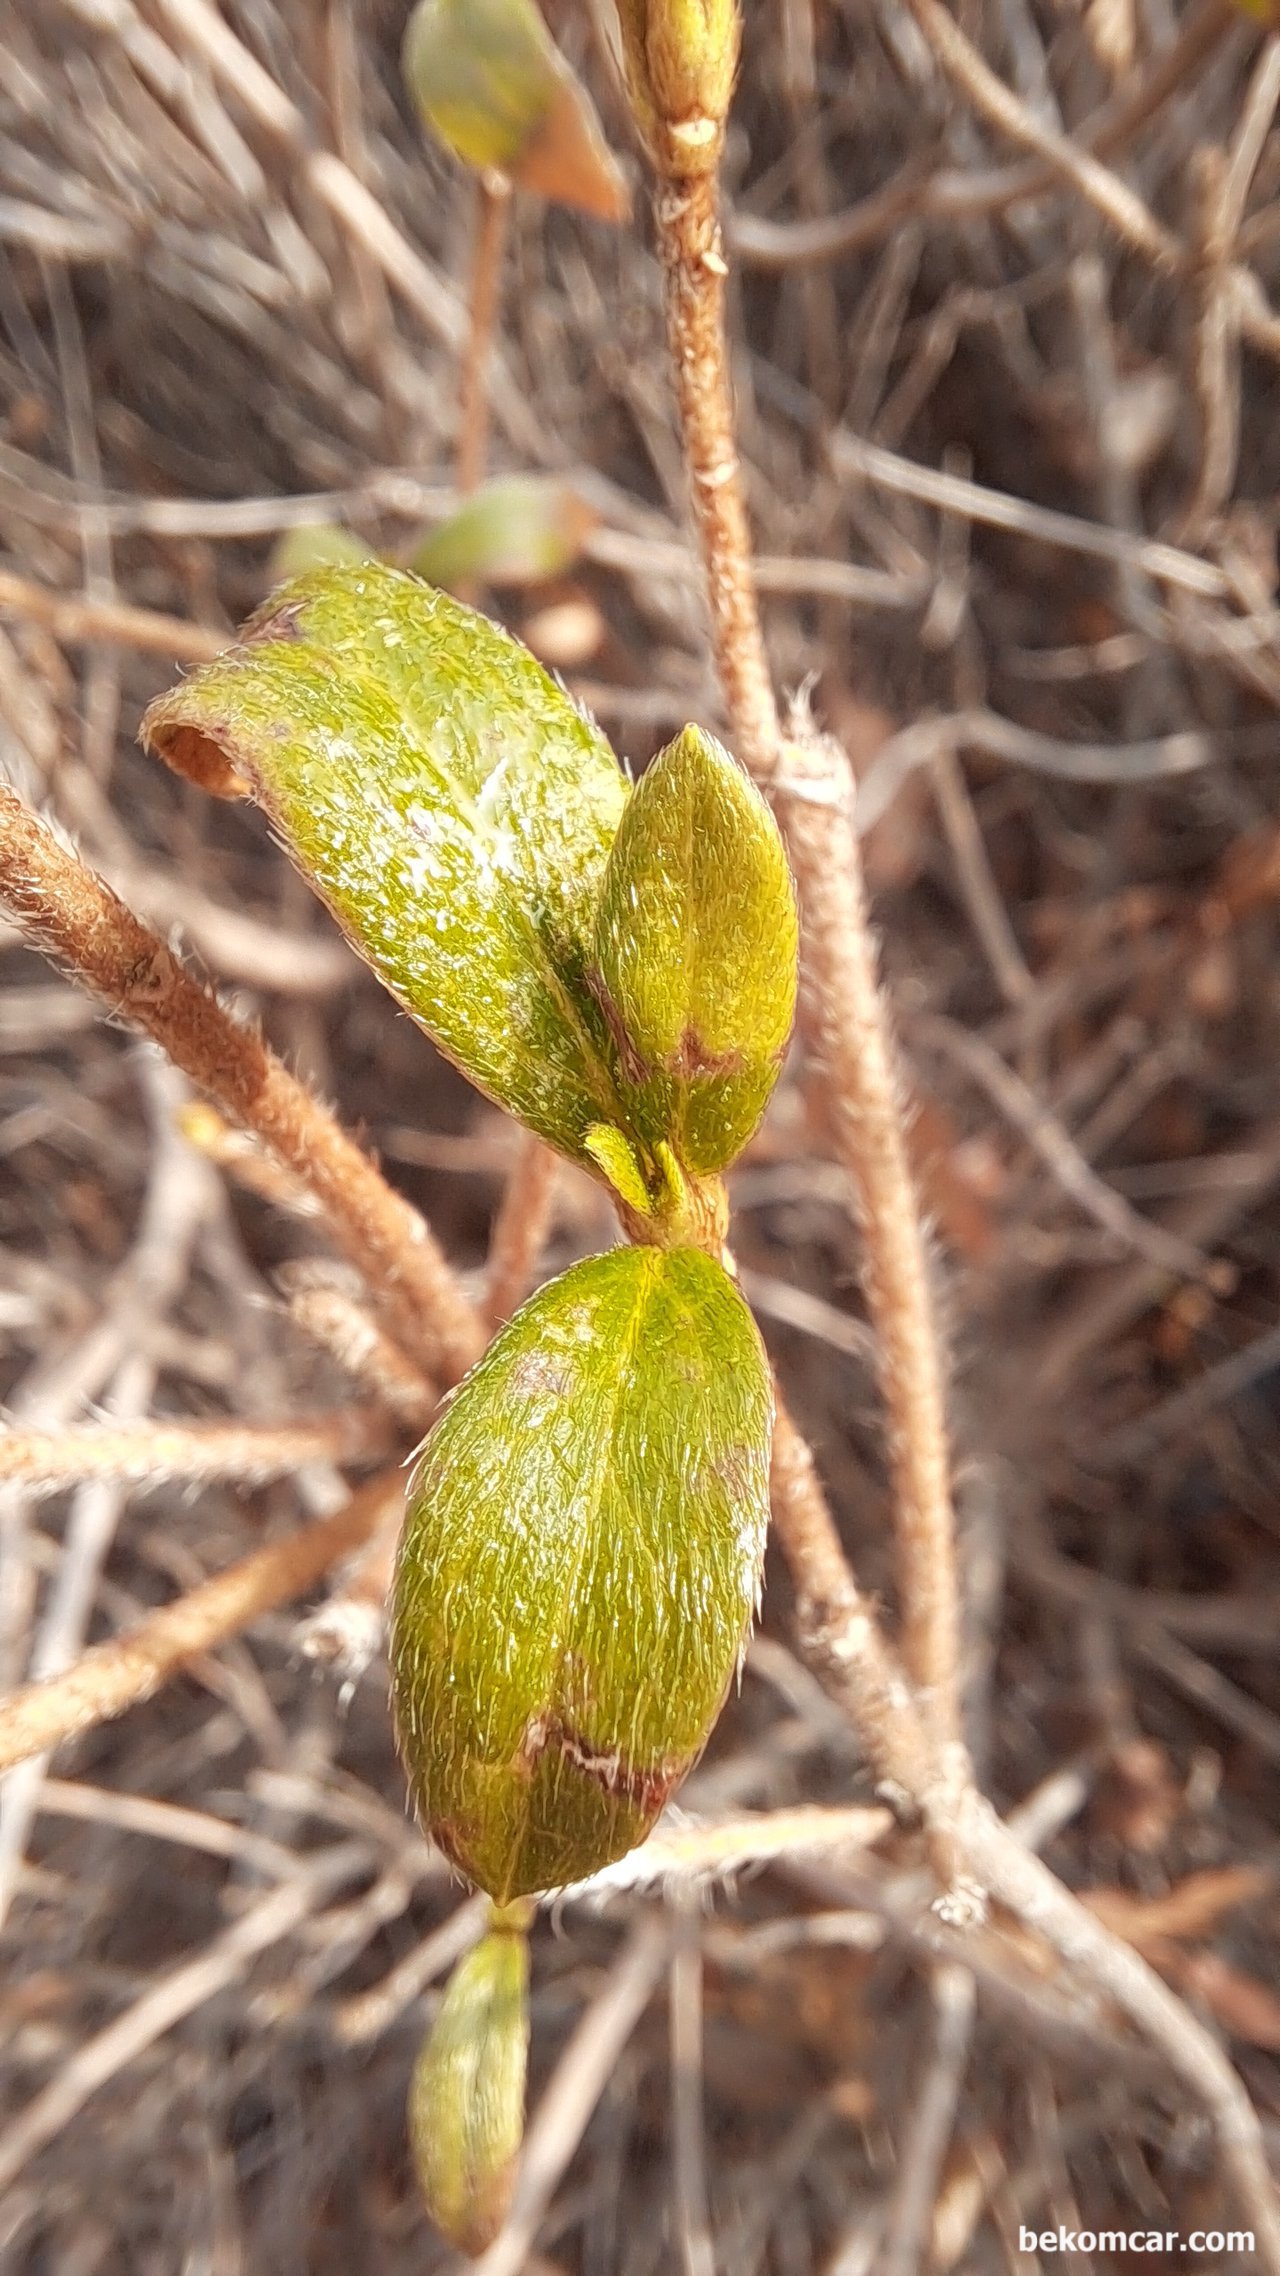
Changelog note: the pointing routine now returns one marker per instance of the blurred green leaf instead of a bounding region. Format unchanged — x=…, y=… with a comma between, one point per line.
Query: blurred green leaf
x=316, y=545
x=696, y=947
x=580, y=1560
x=513, y=531
x=449, y=802
x=466, y=2098
x=487, y=78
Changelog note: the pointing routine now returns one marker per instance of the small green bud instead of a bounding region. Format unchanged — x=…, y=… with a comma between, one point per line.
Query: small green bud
x=513, y=531
x=615, y=1156
x=696, y=950
x=316, y=545
x=579, y=1564
x=680, y=58
x=466, y=2099
x=487, y=78
x=449, y=802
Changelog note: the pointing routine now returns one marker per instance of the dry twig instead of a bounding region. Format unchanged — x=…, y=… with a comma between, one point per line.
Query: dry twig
x=113, y=1676
x=67, y=911
x=154, y=1453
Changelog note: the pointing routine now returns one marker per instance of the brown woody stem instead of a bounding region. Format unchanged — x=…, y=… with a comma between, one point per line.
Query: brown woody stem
x=64, y=909
x=847, y=1029
x=148, y=1453
x=520, y=1228
x=846, y=1017
x=493, y=194
x=116, y=1675
x=689, y=239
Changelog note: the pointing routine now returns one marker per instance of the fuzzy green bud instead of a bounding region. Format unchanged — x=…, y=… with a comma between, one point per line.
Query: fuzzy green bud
x=514, y=530
x=695, y=954
x=580, y=1561
x=680, y=58
x=317, y=545
x=466, y=2099
x=488, y=80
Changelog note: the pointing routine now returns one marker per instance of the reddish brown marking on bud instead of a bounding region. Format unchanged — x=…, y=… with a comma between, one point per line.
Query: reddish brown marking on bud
x=635, y=1069
x=694, y=1057
x=645, y=1790
x=270, y=623
x=450, y=1842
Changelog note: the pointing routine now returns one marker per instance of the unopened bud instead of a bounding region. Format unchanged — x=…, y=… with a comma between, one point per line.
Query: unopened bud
x=466, y=2099
x=681, y=57
x=516, y=530
x=316, y=545
x=488, y=79
x=579, y=1565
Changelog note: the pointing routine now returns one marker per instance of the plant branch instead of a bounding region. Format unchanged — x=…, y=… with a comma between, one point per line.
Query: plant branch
x=848, y=1028
x=520, y=1228
x=844, y=1643
x=152, y=1453
x=920, y=1753
x=64, y=909
x=113, y=1676
x=694, y=271
x=847, y=1032
x=493, y=194
x=70, y=617
x=339, y=1325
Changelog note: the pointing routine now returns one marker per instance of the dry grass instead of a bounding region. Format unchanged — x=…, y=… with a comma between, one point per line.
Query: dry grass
x=1006, y=387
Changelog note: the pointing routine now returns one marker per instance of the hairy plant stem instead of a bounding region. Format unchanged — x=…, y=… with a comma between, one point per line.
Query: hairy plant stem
x=520, y=1228
x=145, y=1453
x=493, y=206
x=911, y=1727
x=63, y=908
x=846, y=1027
x=694, y=271
x=110, y=1677
x=841, y=1003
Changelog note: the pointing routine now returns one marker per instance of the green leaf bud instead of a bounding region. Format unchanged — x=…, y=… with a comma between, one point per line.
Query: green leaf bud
x=466, y=2098
x=680, y=58
x=450, y=804
x=316, y=545
x=579, y=1564
x=487, y=78
x=512, y=531
x=696, y=950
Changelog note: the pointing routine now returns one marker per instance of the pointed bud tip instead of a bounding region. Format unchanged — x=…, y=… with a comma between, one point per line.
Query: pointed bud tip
x=466, y=2097
x=681, y=57
x=486, y=77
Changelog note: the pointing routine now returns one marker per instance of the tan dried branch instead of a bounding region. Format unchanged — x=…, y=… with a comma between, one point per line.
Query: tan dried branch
x=339, y=1325
x=70, y=617
x=520, y=1228
x=151, y=1453
x=847, y=1030
x=115, y=1675
x=64, y=909
x=349, y=1629
x=812, y=790
x=694, y=270
x=844, y=1643
x=176, y=1993
x=493, y=206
